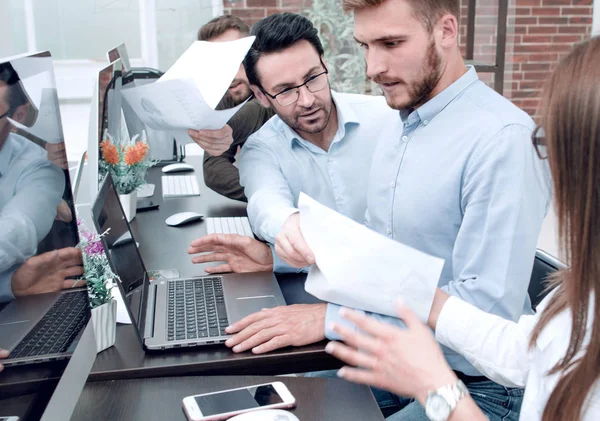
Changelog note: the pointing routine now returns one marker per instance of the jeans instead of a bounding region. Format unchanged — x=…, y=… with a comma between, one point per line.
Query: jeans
x=497, y=402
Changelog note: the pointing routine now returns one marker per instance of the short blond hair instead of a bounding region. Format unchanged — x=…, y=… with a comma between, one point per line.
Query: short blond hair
x=221, y=24
x=428, y=11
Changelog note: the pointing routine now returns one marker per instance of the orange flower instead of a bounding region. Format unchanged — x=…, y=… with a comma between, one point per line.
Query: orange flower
x=109, y=152
x=136, y=153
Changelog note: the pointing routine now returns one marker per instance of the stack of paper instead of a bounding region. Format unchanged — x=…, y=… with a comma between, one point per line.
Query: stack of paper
x=359, y=268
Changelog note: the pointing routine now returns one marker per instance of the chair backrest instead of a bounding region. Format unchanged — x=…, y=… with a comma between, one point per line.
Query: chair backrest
x=543, y=266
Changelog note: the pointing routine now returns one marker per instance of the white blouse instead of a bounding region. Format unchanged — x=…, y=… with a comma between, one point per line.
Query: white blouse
x=499, y=349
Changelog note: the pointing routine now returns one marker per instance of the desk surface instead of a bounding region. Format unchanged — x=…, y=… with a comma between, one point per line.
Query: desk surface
x=164, y=247
x=160, y=398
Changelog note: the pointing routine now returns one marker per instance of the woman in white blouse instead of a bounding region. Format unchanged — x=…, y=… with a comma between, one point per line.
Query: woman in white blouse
x=554, y=354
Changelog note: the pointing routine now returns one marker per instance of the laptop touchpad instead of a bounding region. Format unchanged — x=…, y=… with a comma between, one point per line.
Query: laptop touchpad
x=249, y=305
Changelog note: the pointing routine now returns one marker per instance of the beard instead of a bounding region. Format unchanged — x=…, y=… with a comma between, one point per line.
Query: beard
x=419, y=91
x=316, y=125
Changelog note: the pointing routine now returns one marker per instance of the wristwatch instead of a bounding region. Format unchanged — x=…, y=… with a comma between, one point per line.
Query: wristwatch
x=441, y=402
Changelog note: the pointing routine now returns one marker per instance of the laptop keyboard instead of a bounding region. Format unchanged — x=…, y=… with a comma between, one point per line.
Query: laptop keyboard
x=231, y=225
x=196, y=309
x=58, y=328
x=180, y=186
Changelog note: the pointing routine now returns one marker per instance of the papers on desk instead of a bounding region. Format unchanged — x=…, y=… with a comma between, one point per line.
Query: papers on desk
x=359, y=268
x=122, y=314
x=185, y=97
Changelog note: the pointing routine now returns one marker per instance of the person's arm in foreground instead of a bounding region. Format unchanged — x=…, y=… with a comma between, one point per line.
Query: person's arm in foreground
x=406, y=362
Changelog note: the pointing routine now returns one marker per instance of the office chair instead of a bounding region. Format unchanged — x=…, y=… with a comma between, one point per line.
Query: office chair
x=543, y=265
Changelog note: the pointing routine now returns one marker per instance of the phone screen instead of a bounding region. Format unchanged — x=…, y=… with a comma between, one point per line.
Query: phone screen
x=238, y=400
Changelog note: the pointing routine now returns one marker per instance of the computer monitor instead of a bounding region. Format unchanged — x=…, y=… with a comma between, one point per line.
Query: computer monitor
x=37, y=216
x=161, y=142
x=120, y=52
x=103, y=117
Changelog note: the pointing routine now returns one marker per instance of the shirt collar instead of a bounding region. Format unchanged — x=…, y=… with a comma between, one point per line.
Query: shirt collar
x=435, y=105
x=345, y=115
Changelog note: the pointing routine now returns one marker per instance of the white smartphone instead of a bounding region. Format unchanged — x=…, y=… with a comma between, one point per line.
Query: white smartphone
x=9, y=418
x=228, y=403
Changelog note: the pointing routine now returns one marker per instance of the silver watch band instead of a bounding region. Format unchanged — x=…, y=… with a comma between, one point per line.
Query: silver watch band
x=441, y=402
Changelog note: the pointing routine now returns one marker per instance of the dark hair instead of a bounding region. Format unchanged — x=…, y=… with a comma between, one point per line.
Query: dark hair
x=275, y=33
x=220, y=25
x=427, y=11
x=16, y=95
x=570, y=118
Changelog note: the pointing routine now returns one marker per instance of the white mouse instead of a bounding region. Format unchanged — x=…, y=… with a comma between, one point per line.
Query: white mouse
x=182, y=218
x=266, y=415
x=177, y=168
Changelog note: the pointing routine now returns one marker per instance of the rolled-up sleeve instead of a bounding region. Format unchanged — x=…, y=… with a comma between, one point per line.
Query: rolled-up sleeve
x=270, y=201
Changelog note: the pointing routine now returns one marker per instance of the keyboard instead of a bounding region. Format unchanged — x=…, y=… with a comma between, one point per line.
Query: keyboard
x=234, y=225
x=58, y=328
x=196, y=309
x=180, y=186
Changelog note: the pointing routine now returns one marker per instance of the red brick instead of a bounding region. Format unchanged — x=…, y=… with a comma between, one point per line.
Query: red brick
x=543, y=29
x=528, y=39
x=580, y=19
x=579, y=11
x=535, y=66
x=545, y=11
x=261, y=3
x=553, y=20
x=567, y=39
x=523, y=11
x=249, y=13
x=571, y=29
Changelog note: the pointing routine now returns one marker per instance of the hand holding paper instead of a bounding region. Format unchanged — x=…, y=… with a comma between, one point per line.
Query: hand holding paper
x=359, y=268
x=186, y=96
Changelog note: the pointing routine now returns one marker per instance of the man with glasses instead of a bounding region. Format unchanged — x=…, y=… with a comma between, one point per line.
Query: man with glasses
x=320, y=142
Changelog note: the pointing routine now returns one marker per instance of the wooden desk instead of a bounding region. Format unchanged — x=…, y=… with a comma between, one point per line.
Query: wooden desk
x=164, y=247
x=160, y=398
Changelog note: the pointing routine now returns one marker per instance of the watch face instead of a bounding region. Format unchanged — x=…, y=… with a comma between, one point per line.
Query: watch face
x=436, y=408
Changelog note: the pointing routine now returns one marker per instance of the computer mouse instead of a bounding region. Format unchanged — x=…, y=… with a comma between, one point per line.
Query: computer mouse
x=266, y=415
x=177, y=168
x=181, y=218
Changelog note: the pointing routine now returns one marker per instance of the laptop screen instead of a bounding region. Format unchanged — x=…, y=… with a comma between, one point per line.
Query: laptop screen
x=121, y=249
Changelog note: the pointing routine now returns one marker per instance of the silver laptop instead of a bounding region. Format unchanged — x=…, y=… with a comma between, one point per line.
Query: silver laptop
x=171, y=313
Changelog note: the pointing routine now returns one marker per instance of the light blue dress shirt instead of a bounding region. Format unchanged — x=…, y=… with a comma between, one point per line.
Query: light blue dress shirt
x=31, y=188
x=276, y=164
x=460, y=180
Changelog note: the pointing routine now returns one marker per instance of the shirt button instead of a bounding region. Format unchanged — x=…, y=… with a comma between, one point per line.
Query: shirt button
x=330, y=160
x=405, y=138
x=426, y=122
x=392, y=184
x=389, y=231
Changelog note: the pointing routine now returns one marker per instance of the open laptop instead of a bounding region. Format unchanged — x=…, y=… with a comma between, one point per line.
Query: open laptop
x=169, y=313
x=40, y=327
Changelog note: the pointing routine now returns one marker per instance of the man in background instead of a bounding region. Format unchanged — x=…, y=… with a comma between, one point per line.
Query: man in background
x=220, y=172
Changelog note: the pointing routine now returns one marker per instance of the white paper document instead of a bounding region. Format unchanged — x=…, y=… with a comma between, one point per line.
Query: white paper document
x=359, y=268
x=185, y=97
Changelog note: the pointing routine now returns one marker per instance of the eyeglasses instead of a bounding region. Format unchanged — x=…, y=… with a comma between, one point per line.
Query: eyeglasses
x=5, y=114
x=539, y=142
x=290, y=95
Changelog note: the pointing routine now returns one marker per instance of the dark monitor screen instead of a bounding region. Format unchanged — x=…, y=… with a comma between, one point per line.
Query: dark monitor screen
x=120, y=247
x=37, y=214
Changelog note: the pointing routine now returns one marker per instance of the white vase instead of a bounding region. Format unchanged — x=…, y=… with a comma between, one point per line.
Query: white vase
x=129, y=203
x=104, y=320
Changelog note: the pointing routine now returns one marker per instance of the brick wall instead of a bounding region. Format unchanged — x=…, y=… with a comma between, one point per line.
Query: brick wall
x=540, y=32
